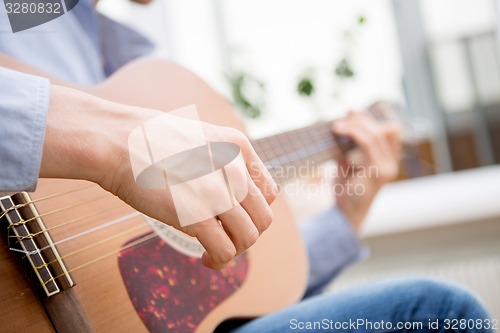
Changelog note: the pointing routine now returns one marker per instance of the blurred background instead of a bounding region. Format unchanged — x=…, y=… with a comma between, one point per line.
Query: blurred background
x=289, y=63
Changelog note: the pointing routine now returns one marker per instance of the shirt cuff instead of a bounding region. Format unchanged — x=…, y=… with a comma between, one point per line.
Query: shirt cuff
x=332, y=245
x=24, y=105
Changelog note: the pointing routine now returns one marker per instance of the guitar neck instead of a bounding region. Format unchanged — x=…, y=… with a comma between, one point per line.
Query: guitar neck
x=287, y=152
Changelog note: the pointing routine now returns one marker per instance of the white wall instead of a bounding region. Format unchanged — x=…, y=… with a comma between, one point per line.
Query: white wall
x=445, y=19
x=276, y=41
x=446, y=23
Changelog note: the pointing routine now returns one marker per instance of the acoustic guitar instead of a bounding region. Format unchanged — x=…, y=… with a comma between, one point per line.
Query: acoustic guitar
x=74, y=258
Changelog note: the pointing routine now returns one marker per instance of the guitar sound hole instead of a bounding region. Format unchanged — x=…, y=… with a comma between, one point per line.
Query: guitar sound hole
x=229, y=325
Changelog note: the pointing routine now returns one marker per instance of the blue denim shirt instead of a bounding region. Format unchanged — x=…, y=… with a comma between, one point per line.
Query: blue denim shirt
x=85, y=47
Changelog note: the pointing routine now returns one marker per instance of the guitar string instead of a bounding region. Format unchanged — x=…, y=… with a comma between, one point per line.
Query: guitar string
x=95, y=260
x=300, y=154
x=96, y=244
x=58, y=194
x=32, y=235
x=23, y=221
x=320, y=147
x=83, y=233
x=287, y=156
x=24, y=204
x=102, y=241
x=65, y=224
x=134, y=243
x=88, y=247
x=324, y=146
x=319, y=129
x=327, y=147
x=44, y=230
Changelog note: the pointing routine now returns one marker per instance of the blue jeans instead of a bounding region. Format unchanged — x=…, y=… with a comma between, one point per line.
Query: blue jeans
x=402, y=305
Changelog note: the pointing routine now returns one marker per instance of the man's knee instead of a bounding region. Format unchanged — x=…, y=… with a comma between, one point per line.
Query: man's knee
x=442, y=300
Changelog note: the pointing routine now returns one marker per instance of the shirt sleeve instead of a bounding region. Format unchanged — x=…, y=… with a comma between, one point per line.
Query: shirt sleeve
x=120, y=44
x=24, y=104
x=332, y=245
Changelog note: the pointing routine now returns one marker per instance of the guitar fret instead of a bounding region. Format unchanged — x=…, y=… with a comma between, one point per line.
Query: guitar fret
x=298, y=147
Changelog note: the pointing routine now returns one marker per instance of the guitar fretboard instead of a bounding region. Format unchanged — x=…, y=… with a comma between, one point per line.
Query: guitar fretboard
x=285, y=153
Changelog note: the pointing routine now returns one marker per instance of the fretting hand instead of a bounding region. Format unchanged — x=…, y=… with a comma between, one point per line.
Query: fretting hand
x=360, y=177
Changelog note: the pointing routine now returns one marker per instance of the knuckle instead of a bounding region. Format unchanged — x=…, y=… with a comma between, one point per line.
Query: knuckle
x=365, y=140
x=270, y=194
x=265, y=219
x=389, y=173
x=251, y=238
x=194, y=230
x=189, y=230
x=383, y=175
x=377, y=135
x=239, y=138
x=226, y=254
x=394, y=172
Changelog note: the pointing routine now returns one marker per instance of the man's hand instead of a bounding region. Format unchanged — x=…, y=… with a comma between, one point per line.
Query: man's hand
x=361, y=177
x=87, y=138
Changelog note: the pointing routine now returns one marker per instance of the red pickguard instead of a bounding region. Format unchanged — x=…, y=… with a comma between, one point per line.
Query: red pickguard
x=172, y=292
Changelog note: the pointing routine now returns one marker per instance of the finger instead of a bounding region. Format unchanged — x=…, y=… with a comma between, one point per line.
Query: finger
x=257, y=170
x=240, y=228
x=366, y=134
x=393, y=133
x=257, y=208
x=371, y=138
x=219, y=247
x=387, y=133
x=389, y=128
x=261, y=176
x=255, y=167
x=343, y=169
x=352, y=113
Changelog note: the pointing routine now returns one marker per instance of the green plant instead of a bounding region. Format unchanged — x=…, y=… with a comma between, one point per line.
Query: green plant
x=248, y=94
x=305, y=87
x=343, y=70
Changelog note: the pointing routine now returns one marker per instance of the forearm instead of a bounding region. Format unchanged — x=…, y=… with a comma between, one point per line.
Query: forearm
x=85, y=136
x=56, y=132
x=332, y=245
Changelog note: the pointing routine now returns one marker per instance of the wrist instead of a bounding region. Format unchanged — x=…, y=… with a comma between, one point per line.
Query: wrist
x=355, y=208
x=85, y=136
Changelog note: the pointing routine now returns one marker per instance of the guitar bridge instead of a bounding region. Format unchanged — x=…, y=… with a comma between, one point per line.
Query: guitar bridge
x=28, y=235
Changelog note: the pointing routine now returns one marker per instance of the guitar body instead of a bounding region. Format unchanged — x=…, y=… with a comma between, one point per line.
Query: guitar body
x=126, y=274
